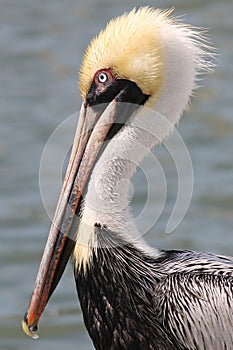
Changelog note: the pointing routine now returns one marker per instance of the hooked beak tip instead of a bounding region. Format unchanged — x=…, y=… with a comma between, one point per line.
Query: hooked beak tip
x=29, y=330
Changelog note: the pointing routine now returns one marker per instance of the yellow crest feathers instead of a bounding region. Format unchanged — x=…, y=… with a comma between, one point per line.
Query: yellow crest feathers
x=130, y=46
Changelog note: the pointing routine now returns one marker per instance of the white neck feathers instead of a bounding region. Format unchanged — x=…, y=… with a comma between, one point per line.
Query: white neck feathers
x=107, y=198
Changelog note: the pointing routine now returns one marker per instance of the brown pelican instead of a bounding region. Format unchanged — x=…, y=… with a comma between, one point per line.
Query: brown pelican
x=132, y=297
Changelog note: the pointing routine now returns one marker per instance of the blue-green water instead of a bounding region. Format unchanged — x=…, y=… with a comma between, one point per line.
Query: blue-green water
x=41, y=47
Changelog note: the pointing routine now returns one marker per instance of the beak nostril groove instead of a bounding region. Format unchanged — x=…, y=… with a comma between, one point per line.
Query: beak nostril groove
x=25, y=317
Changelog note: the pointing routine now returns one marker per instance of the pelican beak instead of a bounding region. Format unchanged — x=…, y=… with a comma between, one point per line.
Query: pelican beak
x=93, y=127
x=97, y=123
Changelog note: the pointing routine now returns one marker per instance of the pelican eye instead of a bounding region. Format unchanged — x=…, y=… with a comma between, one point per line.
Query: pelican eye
x=102, y=77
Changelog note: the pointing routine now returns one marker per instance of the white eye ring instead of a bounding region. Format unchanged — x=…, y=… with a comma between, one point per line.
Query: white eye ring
x=103, y=77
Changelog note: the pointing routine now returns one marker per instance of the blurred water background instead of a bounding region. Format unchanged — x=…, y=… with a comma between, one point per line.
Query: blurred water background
x=41, y=48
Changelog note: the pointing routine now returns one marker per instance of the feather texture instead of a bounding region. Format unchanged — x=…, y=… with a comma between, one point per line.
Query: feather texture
x=179, y=300
x=134, y=297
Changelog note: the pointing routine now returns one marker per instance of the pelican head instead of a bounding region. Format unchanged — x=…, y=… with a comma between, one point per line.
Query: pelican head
x=142, y=58
x=129, y=48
